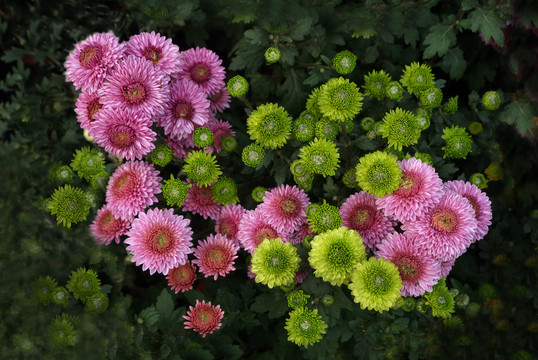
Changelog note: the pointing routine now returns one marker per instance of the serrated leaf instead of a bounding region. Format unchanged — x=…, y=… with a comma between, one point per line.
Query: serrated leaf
x=288, y=54
x=468, y=4
x=149, y=315
x=165, y=304
x=256, y=35
x=302, y=28
x=439, y=40
x=411, y=36
x=489, y=24
x=453, y=63
x=519, y=113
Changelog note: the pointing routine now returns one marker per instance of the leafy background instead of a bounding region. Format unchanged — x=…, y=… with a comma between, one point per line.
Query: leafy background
x=475, y=46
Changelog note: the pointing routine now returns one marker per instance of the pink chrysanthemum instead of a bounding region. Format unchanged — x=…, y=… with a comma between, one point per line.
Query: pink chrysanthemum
x=186, y=108
x=228, y=221
x=360, y=213
x=479, y=201
x=178, y=148
x=446, y=267
x=300, y=234
x=254, y=228
x=89, y=63
x=219, y=100
x=447, y=229
x=182, y=277
x=221, y=129
x=215, y=256
x=203, y=318
x=420, y=189
x=202, y=67
x=418, y=271
x=86, y=107
x=159, y=240
x=106, y=227
x=200, y=201
x=131, y=188
x=300, y=276
x=123, y=133
x=134, y=84
x=156, y=48
x=284, y=207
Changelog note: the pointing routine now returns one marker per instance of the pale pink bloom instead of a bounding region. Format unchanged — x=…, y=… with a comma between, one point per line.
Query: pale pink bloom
x=215, y=256
x=284, y=207
x=203, y=318
x=254, y=228
x=204, y=68
x=200, y=201
x=182, y=277
x=106, y=228
x=446, y=267
x=227, y=223
x=86, y=107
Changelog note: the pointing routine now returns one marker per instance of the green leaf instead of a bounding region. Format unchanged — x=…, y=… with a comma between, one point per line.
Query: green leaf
x=370, y=54
x=256, y=35
x=489, y=24
x=303, y=26
x=165, y=304
x=275, y=304
x=519, y=113
x=149, y=316
x=439, y=40
x=288, y=54
x=453, y=63
x=468, y=4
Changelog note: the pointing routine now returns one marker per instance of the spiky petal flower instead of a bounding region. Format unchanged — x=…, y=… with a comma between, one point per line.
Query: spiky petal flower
x=88, y=162
x=441, y=301
x=219, y=100
x=285, y=207
x=254, y=227
x=107, y=228
x=394, y=91
x=83, y=283
x=225, y=191
x=375, y=84
x=87, y=106
x=221, y=130
x=200, y=201
x=97, y=303
x=305, y=126
x=131, y=188
x=417, y=78
x=202, y=167
x=378, y=173
x=275, y=263
x=203, y=318
x=458, y=142
x=69, y=204
x=431, y=98
x=252, y=155
x=305, y=327
x=61, y=330
x=340, y=99
x=401, y=128
x=156, y=48
x=161, y=155
x=227, y=222
x=297, y=299
x=344, y=62
x=360, y=213
x=269, y=125
x=182, y=277
x=159, y=240
x=376, y=284
x=202, y=67
x=215, y=256
x=44, y=288
x=320, y=157
x=323, y=218
x=335, y=255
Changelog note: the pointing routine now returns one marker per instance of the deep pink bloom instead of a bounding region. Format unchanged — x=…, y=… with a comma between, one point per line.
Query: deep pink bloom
x=134, y=84
x=200, y=201
x=182, y=277
x=86, y=107
x=219, y=100
x=227, y=223
x=360, y=213
x=202, y=67
x=131, y=188
x=300, y=276
x=106, y=227
x=479, y=201
x=159, y=240
x=90, y=62
x=178, y=148
x=203, y=318
x=446, y=267
x=419, y=272
x=447, y=229
x=221, y=129
x=300, y=234
x=156, y=48
x=420, y=189
x=123, y=133
x=254, y=228
x=215, y=256
x=284, y=207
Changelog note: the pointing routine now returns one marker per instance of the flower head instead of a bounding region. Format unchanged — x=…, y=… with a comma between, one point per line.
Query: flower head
x=219, y=100
x=225, y=191
x=378, y=173
x=320, y=157
x=272, y=55
x=458, y=142
x=254, y=227
x=69, y=204
x=451, y=106
x=431, y=98
x=479, y=180
x=375, y=84
x=203, y=318
x=269, y=125
x=83, y=283
x=305, y=327
x=258, y=193
x=97, y=303
x=344, y=62
x=162, y=155
x=227, y=223
x=327, y=129
x=441, y=301
x=87, y=106
x=340, y=99
x=237, y=86
x=285, y=207
x=200, y=201
x=182, y=277
x=324, y=217
x=61, y=330
x=201, y=167
x=44, y=288
x=394, y=91
x=107, y=228
x=215, y=256
x=491, y=100
x=275, y=263
x=221, y=130
x=88, y=162
x=297, y=299
x=174, y=191
x=204, y=68
x=202, y=137
x=252, y=155
x=401, y=128
x=417, y=78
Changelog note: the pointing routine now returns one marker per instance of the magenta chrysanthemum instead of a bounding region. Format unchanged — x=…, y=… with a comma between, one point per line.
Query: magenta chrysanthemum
x=186, y=108
x=254, y=228
x=159, y=240
x=178, y=147
x=131, y=188
x=447, y=229
x=284, y=207
x=156, y=48
x=86, y=106
x=202, y=67
x=123, y=133
x=200, y=201
x=446, y=267
x=215, y=256
x=300, y=234
x=228, y=221
x=360, y=213
x=203, y=318
x=219, y=100
x=418, y=271
x=221, y=129
x=300, y=276
x=479, y=201
x=182, y=277
x=89, y=63
x=134, y=84
x=107, y=228
x=420, y=189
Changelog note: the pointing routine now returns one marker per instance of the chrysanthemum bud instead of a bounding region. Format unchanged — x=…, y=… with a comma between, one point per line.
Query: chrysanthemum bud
x=237, y=86
x=202, y=137
x=161, y=155
x=229, y=143
x=272, y=55
x=458, y=142
x=491, y=100
x=344, y=62
x=253, y=155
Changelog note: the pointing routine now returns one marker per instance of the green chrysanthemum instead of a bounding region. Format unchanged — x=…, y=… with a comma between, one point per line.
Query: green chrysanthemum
x=417, y=78
x=340, y=99
x=304, y=181
x=475, y=128
x=69, y=204
x=305, y=126
x=237, y=86
x=297, y=299
x=275, y=263
x=162, y=155
x=323, y=218
x=375, y=84
x=440, y=300
x=88, y=162
x=327, y=300
x=97, y=303
x=431, y=98
x=99, y=181
x=61, y=330
x=451, y=106
x=458, y=142
x=327, y=129
x=479, y=180
x=491, y=100
x=344, y=62
x=202, y=137
x=174, y=191
x=320, y=157
x=60, y=296
x=347, y=126
x=312, y=103
x=305, y=327
x=394, y=91
x=272, y=55
x=462, y=300
x=83, y=283
x=201, y=167
x=407, y=303
x=398, y=154
x=269, y=125
x=378, y=173
x=44, y=289
x=225, y=191
x=376, y=284
x=258, y=193
x=23, y=343
x=401, y=128
x=298, y=168
x=424, y=157
x=350, y=178
x=335, y=255
x=423, y=116
x=229, y=143
x=64, y=174
x=367, y=123
x=252, y=155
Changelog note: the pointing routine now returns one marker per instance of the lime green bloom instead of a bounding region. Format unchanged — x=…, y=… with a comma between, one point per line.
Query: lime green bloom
x=475, y=128
x=97, y=303
x=479, y=180
x=64, y=174
x=237, y=86
x=305, y=126
x=297, y=299
x=458, y=142
x=304, y=181
x=375, y=84
x=451, y=106
x=202, y=137
x=87, y=162
x=376, y=284
x=327, y=129
x=69, y=204
x=367, y=123
x=60, y=296
x=401, y=128
x=269, y=125
x=312, y=103
x=407, y=303
x=431, y=98
x=440, y=300
x=378, y=173
x=83, y=283
x=201, y=167
x=99, y=181
x=258, y=193
x=423, y=117
x=344, y=62
x=320, y=157
x=275, y=263
x=253, y=155
x=417, y=78
x=305, y=327
x=350, y=178
x=347, y=126
x=162, y=155
x=323, y=218
x=340, y=99
x=229, y=143
x=225, y=191
x=298, y=168
x=491, y=100
x=272, y=55
x=335, y=254
x=61, y=330
x=394, y=91
x=44, y=289
x=174, y=191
